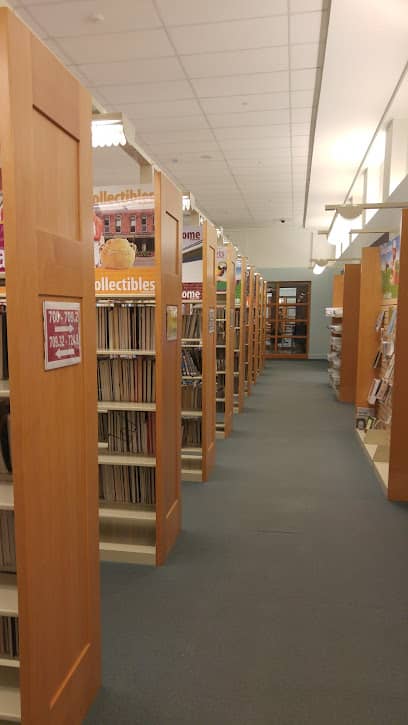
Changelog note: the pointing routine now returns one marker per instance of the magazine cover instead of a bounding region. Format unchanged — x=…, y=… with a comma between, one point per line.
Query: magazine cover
x=192, y=267
x=221, y=269
x=123, y=227
x=390, y=266
x=238, y=281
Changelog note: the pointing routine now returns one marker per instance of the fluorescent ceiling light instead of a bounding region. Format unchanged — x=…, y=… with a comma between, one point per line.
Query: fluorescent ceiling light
x=319, y=268
x=111, y=130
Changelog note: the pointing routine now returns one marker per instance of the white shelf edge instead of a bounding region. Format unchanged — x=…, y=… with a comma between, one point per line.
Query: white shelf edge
x=8, y=595
x=126, y=514
x=127, y=553
x=191, y=413
x=123, y=459
x=105, y=405
x=101, y=352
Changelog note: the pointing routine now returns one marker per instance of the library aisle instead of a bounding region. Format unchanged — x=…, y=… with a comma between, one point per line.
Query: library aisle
x=284, y=600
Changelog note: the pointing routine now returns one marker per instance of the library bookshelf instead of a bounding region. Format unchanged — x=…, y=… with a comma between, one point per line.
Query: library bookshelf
x=255, y=327
x=139, y=344
x=249, y=327
x=198, y=413
x=382, y=388
x=263, y=324
x=260, y=312
x=344, y=328
x=226, y=339
x=49, y=584
x=241, y=334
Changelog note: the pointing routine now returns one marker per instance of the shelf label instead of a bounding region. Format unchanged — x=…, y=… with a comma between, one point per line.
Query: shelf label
x=136, y=282
x=192, y=267
x=62, y=337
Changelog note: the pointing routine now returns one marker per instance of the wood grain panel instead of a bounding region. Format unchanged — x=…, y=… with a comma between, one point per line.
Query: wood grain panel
x=53, y=417
x=168, y=231
x=338, y=290
x=398, y=472
x=369, y=307
x=349, y=350
x=208, y=354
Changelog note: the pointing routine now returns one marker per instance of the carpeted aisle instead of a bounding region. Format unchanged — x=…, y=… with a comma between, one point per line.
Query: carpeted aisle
x=285, y=600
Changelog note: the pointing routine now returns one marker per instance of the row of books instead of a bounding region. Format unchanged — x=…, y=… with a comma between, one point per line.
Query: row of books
x=237, y=318
x=127, y=484
x=127, y=379
x=128, y=431
x=220, y=361
x=126, y=327
x=191, y=362
x=9, y=637
x=192, y=325
x=221, y=314
x=191, y=395
x=4, y=368
x=7, y=541
x=191, y=433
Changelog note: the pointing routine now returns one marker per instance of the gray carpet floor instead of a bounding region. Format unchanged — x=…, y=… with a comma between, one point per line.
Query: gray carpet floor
x=285, y=599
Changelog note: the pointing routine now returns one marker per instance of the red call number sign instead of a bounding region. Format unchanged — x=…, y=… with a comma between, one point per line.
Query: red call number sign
x=62, y=341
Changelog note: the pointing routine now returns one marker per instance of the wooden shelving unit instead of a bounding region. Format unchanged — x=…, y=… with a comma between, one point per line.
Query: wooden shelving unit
x=139, y=408
x=249, y=327
x=225, y=342
x=263, y=325
x=344, y=333
x=288, y=320
x=241, y=334
x=255, y=327
x=46, y=171
x=385, y=444
x=197, y=460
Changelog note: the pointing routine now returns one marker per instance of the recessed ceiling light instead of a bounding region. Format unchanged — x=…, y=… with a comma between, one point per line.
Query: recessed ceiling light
x=245, y=103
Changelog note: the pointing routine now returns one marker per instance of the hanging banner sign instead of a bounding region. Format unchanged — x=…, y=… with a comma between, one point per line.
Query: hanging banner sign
x=62, y=337
x=221, y=268
x=192, y=268
x=238, y=281
x=125, y=283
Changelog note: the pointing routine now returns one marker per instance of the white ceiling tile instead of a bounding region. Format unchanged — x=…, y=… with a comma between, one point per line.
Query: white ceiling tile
x=300, y=129
x=251, y=118
x=77, y=18
x=176, y=123
x=301, y=115
x=55, y=48
x=118, y=47
x=187, y=107
x=255, y=60
x=189, y=158
x=133, y=71
x=232, y=35
x=300, y=142
x=305, y=6
x=262, y=155
x=157, y=137
x=303, y=80
x=168, y=148
x=241, y=104
x=252, y=132
x=241, y=85
x=249, y=145
x=186, y=12
x=137, y=92
x=305, y=28
x=302, y=99
x=304, y=55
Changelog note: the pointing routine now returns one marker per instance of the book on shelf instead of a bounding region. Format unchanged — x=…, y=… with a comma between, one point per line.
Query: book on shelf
x=192, y=325
x=191, y=395
x=9, y=638
x=4, y=370
x=7, y=542
x=374, y=388
x=128, y=432
x=191, y=433
x=125, y=326
x=363, y=415
x=377, y=360
x=191, y=362
x=380, y=320
x=127, y=485
x=392, y=322
x=126, y=379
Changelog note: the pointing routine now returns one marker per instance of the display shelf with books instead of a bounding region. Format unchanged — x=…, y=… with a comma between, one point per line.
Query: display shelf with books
x=139, y=330
x=260, y=313
x=249, y=324
x=343, y=341
x=226, y=337
x=198, y=359
x=240, y=334
x=49, y=631
x=382, y=390
x=263, y=325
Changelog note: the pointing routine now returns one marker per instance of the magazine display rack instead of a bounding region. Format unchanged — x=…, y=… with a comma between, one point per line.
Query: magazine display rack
x=49, y=581
x=226, y=339
x=199, y=360
x=382, y=400
x=139, y=349
x=344, y=333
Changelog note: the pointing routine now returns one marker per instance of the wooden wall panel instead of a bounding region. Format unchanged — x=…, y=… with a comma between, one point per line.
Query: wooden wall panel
x=48, y=196
x=209, y=341
x=338, y=290
x=369, y=307
x=398, y=471
x=349, y=352
x=168, y=235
